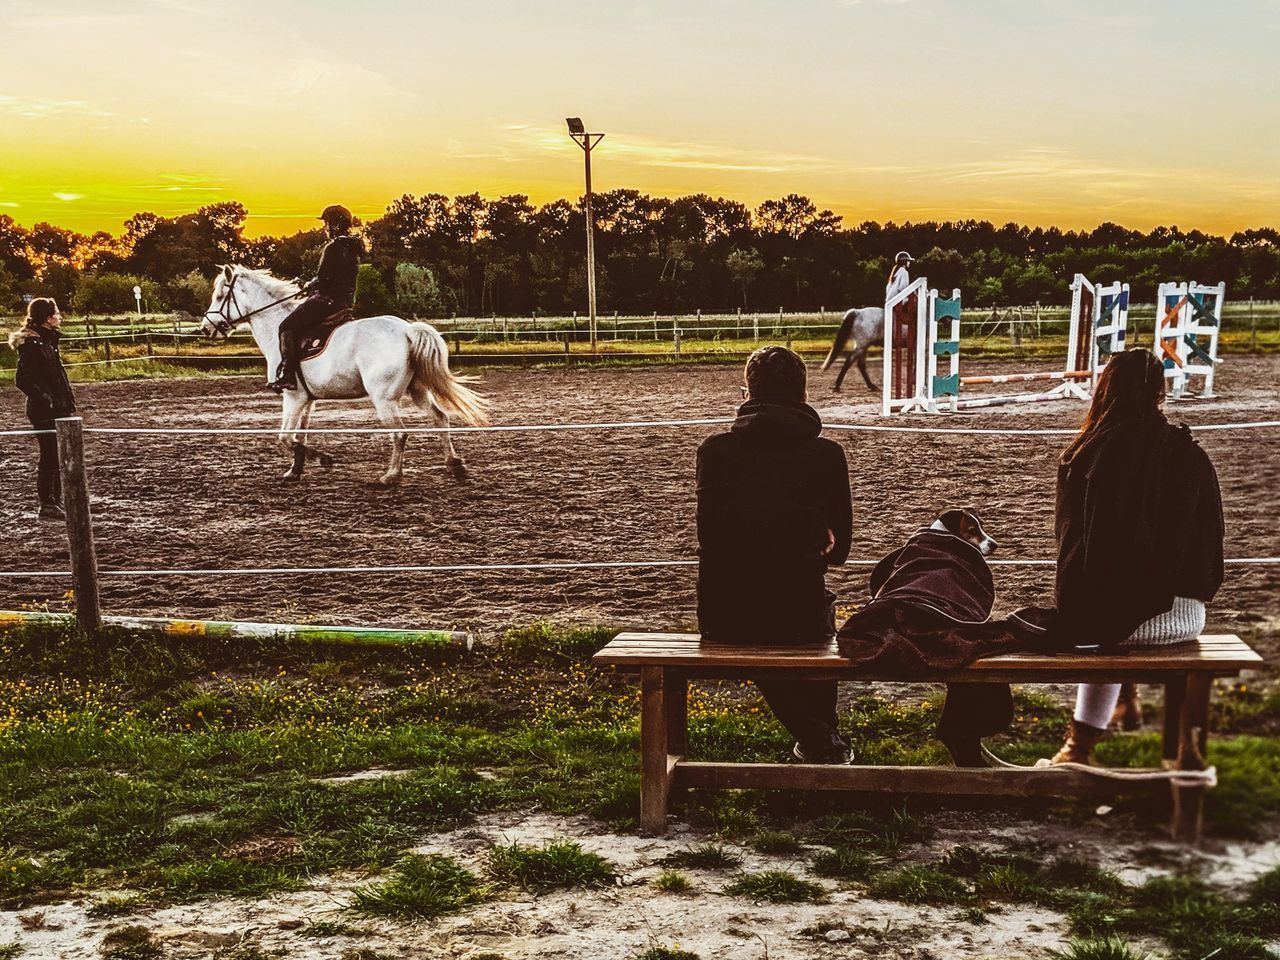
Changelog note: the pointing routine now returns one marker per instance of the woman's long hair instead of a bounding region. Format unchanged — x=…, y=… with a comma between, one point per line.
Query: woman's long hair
x=1129, y=391
x=38, y=311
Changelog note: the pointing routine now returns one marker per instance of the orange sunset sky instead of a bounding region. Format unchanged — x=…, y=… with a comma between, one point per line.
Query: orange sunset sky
x=1067, y=112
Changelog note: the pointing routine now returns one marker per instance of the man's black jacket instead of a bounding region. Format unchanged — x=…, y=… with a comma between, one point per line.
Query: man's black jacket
x=768, y=491
x=40, y=375
x=336, y=276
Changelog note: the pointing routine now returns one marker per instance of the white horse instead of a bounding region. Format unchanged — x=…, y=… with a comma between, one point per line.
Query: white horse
x=382, y=358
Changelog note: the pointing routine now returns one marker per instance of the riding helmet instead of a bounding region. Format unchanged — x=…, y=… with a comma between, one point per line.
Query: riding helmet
x=336, y=215
x=902, y=257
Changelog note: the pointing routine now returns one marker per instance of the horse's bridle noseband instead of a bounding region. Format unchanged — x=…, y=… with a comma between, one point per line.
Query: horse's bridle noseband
x=222, y=320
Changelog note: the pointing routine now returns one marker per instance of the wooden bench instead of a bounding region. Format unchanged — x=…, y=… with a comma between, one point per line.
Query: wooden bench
x=667, y=662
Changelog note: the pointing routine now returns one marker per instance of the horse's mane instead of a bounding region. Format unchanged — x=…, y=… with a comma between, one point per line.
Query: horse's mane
x=270, y=282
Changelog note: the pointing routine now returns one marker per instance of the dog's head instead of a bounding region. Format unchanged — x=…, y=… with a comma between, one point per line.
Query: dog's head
x=966, y=525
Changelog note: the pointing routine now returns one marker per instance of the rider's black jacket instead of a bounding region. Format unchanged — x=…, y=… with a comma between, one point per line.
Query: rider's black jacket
x=40, y=375
x=336, y=278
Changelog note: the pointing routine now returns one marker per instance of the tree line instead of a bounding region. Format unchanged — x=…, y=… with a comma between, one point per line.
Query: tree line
x=435, y=255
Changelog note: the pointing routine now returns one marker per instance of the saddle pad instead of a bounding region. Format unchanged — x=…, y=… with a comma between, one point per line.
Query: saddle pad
x=316, y=339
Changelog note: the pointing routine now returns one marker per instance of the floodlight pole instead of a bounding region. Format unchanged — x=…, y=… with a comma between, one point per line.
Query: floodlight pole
x=588, y=141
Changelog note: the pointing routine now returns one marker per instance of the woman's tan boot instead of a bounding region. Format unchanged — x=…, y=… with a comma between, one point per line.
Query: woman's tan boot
x=1128, y=715
x=1078, y=748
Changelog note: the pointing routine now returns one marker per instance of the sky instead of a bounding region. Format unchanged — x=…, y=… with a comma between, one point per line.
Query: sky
x=1064, y=112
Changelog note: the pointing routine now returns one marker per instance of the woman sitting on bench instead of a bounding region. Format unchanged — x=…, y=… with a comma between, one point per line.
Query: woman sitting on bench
x=1139, y=528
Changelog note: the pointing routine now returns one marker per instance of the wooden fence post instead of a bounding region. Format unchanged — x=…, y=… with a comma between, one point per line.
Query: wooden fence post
x=75, y=501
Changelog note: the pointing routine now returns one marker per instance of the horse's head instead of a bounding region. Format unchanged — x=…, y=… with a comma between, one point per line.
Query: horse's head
x=225, y=312
x=240, y=293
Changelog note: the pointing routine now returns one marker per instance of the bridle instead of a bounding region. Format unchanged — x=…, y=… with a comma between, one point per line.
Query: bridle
x=222, y=320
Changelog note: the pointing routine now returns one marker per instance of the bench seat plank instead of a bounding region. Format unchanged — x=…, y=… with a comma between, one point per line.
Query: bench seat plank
x=1217, y=654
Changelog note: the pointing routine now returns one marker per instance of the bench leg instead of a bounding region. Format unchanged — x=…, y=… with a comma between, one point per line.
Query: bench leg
x=676, y=694
x=1193, y=736
x=1175, y=694
x=655, y=779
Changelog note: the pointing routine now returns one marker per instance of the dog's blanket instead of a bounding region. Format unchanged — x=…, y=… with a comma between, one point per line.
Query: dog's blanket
x=313, y=342
x=929, y=611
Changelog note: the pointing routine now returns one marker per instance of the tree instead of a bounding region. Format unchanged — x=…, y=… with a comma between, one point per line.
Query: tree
x=192, y=293
x=744, y=266
x=372, y=296
x=417, y=293
x=113, y=293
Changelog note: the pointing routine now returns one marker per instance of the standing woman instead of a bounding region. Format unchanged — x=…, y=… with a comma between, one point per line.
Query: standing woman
x=1139, y=527
x=43, y=379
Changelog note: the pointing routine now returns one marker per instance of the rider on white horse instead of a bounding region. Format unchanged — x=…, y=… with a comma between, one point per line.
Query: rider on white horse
x=899, y=279
x=333, y=289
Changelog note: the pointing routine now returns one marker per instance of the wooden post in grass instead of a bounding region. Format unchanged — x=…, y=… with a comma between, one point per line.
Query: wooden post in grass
x=75, y=501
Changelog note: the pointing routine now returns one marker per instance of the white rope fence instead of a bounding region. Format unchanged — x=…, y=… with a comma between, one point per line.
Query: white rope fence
x=616, y=425
x=479, y=567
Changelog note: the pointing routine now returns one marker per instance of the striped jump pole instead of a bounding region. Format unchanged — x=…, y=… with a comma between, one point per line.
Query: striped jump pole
x=1000, y=400
x=1025, y=377
x=240, y=630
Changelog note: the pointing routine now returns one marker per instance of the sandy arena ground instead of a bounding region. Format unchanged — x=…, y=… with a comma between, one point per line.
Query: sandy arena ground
x=165, y=501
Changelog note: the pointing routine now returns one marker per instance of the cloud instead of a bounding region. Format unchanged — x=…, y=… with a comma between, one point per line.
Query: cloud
x=38, y=108
x=647, y=152
x=68, y=197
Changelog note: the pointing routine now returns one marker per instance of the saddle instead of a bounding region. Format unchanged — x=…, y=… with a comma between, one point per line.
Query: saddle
x=312, y=343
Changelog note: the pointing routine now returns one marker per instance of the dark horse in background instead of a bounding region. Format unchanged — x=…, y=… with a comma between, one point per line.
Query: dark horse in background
x=865, y=327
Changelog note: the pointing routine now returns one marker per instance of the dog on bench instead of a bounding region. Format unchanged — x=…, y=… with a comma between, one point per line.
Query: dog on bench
x=928, y=615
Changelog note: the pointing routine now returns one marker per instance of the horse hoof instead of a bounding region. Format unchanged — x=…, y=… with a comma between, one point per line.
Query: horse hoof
x=457, y=469
x=326, y=462
x=389, y=480
x=291, y=475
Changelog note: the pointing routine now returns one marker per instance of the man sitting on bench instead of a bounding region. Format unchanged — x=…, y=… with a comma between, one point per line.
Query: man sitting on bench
x=774, y=511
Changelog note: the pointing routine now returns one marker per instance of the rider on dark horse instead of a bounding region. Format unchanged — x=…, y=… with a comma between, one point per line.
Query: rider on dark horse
x=333, y=289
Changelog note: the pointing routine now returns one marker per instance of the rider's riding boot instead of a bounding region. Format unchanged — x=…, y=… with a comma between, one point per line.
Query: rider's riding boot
x=285, y=378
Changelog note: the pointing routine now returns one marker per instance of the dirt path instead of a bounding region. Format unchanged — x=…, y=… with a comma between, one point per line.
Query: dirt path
x=183, y=501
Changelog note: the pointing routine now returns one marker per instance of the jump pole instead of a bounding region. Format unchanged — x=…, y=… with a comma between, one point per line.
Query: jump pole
x=1188, y=320
x=1098, y=322
x=241, y=630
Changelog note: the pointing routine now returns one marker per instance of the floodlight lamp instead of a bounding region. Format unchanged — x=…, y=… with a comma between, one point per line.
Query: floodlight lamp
x=576, y=129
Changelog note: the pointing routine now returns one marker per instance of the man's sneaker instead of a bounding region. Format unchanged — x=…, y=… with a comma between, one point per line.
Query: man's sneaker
x=51, y=511
x=838, y=754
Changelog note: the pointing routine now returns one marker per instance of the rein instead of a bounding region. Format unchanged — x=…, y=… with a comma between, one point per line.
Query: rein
x=222, y=320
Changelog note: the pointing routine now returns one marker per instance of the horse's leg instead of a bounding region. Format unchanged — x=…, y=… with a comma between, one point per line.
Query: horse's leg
x=860, y=358
x=294, y=409
x=844, y=368
x=315, y=453
x=389, y=413
x=452, y=459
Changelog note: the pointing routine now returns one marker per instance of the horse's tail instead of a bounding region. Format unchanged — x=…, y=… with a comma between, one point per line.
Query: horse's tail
x=842, y=337
x=430, y=358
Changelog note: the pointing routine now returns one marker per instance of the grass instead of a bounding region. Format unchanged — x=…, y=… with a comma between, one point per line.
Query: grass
x=666, y=953
x=776, y=886
x=148, y=771
x=673, y=881
x=557, y=864
x=919, y=884
x=777, y=843
x=707, y=856
x=1106, y=948
x=845, y=864
x=421, y=888
x=130, y=943
x=11, y=951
